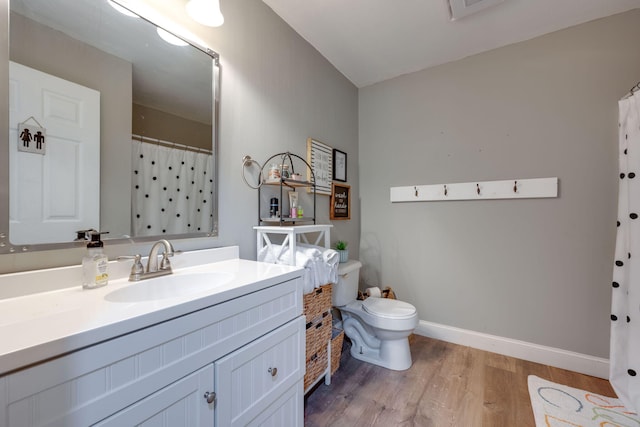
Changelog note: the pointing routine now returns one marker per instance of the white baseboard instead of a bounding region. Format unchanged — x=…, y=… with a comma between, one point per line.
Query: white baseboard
x=577, y=362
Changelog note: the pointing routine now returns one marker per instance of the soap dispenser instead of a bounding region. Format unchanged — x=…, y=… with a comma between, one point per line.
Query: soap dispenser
x=94, y=263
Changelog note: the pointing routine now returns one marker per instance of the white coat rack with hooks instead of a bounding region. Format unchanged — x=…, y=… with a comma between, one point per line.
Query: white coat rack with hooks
x=532, y=188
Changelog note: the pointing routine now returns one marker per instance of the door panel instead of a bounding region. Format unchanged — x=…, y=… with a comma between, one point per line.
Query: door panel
x=61, y=186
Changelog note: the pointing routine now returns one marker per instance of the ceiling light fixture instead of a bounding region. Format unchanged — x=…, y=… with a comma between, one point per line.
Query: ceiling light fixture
x=205, y=12
x=170, y=38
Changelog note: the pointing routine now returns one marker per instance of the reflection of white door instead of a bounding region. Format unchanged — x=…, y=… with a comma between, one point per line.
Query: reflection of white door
x=55, y=194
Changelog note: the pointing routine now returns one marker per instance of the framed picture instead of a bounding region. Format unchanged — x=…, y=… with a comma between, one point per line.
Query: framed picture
x=340, y=207
x=320, y=158
x=339, y=165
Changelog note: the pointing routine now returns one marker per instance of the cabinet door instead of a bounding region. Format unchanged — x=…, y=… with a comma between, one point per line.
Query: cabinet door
x=251, y=380
x=181, y=404
x=287, y=411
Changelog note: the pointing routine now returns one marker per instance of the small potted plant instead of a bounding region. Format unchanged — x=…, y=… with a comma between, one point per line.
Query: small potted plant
x=341, y=247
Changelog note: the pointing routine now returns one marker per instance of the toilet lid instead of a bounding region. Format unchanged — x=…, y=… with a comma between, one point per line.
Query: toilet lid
x=390, y=308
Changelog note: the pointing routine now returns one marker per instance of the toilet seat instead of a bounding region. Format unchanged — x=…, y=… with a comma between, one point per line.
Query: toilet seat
x=388, y=308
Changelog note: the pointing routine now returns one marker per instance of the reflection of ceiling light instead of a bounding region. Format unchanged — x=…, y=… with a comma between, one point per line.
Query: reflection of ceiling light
x=170, y=38
x=206, y=12
x=122, y=10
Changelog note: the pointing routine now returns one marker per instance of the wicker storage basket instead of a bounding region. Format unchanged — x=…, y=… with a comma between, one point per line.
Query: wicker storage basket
x=318, y=333
x=317, y=302
x=336, y=349
x=316, y=366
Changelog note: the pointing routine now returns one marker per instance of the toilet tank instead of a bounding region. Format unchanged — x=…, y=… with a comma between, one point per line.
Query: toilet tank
x=346, y=290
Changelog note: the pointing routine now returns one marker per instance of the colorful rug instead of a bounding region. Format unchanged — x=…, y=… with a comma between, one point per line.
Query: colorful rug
x=556, y=405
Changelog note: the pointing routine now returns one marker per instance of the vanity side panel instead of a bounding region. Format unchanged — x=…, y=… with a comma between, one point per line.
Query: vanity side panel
x=4, y=401
x=91, y=384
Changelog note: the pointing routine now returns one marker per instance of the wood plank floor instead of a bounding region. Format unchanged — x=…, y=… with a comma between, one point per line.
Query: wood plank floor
x=448, y=385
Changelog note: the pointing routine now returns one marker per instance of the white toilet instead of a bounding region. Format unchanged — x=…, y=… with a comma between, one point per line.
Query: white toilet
x=378, y=327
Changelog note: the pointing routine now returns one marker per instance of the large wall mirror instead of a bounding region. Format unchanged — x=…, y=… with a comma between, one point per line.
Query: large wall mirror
x=111, y=126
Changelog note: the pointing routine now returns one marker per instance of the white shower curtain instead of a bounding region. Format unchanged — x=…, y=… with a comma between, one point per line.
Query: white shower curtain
x=625, y=308
x=172, y=190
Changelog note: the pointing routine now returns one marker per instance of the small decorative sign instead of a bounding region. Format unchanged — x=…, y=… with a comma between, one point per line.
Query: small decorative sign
x=320, y=157
x=339, y=165
x=31, y=138
x=340, y=207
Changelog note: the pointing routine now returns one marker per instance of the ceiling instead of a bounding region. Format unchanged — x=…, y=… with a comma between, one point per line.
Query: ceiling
x=374, y=40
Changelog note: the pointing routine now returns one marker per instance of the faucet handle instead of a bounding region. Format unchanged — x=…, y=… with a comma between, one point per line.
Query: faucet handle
x=137, y=269
x=164, y=263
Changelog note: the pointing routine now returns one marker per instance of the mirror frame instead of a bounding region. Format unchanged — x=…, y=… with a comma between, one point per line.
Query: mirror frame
x=6, y=247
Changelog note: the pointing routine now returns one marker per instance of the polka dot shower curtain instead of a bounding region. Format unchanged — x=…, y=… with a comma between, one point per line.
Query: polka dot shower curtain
x=625, y=318
x=172, y=190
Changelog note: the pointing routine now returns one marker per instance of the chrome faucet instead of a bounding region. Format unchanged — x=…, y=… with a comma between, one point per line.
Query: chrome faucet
x=152, y=262
x=138, y=272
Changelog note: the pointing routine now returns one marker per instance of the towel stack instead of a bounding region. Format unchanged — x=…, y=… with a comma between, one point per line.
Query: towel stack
x=320, y=264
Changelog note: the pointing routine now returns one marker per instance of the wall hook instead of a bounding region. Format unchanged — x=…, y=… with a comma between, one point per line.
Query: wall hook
x=513, y=188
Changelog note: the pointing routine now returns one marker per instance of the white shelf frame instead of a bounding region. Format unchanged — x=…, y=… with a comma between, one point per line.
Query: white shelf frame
x=294, y=235
x=532, y=188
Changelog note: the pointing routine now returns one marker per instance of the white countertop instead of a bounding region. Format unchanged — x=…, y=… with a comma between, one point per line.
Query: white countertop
x=47, y=324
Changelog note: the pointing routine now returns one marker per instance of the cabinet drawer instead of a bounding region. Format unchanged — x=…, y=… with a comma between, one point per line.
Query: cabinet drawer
x=180, y=404
x=246, y=380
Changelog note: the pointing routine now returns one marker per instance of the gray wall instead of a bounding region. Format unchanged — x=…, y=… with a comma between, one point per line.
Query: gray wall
x=153, y=123
x=533, y=270
x=276, y=91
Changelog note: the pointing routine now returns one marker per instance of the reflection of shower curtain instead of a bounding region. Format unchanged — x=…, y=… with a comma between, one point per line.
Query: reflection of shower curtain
x=625, y=310
x=172, y=190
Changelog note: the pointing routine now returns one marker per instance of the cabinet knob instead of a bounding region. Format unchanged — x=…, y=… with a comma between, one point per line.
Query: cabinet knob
x=210, y=396
x=273, y=371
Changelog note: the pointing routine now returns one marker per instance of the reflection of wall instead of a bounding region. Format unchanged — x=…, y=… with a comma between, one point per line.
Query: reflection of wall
x=158, y=124
x=51, y=51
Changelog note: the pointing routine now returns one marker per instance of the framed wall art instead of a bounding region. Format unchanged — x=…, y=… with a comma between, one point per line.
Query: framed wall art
x=340, y=206
x=339, y=165
x=320, y=157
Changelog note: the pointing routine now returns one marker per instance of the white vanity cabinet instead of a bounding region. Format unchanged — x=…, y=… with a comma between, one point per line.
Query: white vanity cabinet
x=248, y=350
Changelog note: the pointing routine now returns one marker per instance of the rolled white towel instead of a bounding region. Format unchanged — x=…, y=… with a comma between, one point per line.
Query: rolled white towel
x=332, y=261
x=310, y=250
x=265, y=255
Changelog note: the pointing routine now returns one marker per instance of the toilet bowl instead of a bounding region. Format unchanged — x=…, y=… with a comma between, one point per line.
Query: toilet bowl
x=378, y=328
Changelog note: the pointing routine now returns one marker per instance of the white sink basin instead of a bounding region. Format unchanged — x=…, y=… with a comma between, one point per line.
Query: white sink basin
x=171, y=286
